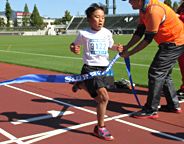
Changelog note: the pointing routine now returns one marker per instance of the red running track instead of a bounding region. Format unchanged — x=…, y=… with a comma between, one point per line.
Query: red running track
x=47, y=113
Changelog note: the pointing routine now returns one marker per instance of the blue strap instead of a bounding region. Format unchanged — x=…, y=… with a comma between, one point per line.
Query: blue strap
x=60, y=78
x=70, y=78
x=127, y=61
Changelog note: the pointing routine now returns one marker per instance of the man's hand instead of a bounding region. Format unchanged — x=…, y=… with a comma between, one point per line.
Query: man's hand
x=125, y=54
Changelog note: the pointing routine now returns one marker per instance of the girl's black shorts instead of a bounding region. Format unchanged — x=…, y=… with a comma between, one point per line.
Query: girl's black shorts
x=96, y=82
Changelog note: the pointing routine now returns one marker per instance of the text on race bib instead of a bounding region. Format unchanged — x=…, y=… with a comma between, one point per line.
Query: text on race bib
x=98, y=46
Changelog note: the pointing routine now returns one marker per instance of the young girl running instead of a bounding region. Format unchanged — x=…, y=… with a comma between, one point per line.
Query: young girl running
x=96, y=41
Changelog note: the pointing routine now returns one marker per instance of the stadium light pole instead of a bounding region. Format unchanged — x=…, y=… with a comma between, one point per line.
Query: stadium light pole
x=107, y=7
x=114, y=6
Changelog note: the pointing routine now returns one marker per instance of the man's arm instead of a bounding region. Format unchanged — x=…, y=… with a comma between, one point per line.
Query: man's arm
x=135, y=38
x=154, y=19
x=138, y=48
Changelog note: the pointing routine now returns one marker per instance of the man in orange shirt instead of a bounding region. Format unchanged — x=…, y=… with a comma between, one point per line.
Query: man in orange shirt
x=159, y=22
x=180, y=92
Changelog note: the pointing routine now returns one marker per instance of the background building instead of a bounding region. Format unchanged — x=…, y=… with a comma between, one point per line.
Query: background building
x=4, y=18
x=19, y=17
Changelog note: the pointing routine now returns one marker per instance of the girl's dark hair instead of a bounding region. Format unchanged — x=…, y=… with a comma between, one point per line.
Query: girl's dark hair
x=92, y=8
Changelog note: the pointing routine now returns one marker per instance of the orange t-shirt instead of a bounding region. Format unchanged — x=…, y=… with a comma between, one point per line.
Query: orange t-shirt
x=154, y=18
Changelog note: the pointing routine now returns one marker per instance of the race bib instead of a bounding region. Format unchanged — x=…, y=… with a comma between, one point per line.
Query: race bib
x=98, y=46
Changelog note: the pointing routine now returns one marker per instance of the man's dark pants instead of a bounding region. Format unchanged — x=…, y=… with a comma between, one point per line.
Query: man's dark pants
x=159, y=76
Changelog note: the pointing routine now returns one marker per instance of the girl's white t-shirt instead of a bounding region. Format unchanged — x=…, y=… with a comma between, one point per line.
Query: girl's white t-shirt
x=96, y=44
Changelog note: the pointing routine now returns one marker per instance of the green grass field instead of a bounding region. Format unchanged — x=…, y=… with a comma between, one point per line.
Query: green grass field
x=53, y=53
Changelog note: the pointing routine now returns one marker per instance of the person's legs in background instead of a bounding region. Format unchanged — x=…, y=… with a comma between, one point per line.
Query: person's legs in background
x=180, y=92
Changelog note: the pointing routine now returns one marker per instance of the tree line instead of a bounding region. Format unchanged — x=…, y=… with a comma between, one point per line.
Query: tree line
x=175, y=5
x=34, y=20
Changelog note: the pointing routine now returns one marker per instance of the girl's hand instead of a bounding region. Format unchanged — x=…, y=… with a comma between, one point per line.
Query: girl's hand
x=119, y=48
x=75, y=49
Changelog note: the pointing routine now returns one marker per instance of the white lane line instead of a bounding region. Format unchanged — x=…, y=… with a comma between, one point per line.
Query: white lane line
x=58, y=131
x=150, y=130
x=42, y=117
x=48, y=134
x=44, y=135
x=10, y=136
x=73, y=58
x=40, y=54
x=181, y=101
x=51, y=99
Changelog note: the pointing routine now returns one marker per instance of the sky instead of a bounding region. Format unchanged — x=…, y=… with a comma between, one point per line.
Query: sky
x=57, y=8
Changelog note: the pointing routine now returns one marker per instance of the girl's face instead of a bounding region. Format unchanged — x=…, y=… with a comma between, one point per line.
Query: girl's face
x=97, y=20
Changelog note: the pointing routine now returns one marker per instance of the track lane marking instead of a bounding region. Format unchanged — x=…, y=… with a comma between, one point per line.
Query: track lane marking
x=59, y=131
x=116, y=118
x=51, y=99
x=44, y=135
x=149, y=129
x=143, y=65
x=10, y=136
x=53, y=114
x=48, y=134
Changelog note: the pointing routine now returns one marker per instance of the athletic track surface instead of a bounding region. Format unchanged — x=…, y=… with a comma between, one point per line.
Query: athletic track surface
x=48, y=113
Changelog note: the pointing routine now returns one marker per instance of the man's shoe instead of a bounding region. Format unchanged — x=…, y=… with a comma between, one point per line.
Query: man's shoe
x=144, y=114
x=75, y=87
x=180, y=94
x=102, y=133
x=168, y=109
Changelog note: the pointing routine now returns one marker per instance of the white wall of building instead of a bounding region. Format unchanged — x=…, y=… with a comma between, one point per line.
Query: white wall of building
x=20, y=16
